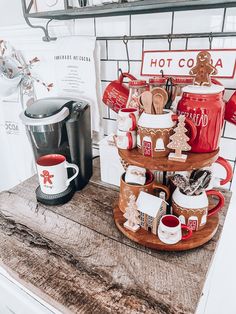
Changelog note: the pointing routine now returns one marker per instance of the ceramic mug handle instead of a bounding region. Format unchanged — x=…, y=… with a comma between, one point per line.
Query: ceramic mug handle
x=191, y=125
x=125, y=74
x=160, y=186
x=130, y=140
x=229, y=171
x=189, y=234
x=134, y=121
x=68, y=165
x=220, y=204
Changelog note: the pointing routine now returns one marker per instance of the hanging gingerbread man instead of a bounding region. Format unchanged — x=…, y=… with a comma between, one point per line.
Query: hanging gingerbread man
x=203, y=69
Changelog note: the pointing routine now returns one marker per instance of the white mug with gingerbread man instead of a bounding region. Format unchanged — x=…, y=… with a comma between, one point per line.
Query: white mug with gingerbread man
x=52, y=173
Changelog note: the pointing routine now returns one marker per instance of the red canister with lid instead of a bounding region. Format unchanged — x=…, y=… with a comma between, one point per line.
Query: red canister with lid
x=205, y=107
x=157, y=82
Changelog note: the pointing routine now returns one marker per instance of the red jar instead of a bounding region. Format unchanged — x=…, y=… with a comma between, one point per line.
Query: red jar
x=205, y=107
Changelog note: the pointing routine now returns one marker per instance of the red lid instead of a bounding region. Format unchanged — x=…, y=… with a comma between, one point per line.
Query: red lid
x=158, y=80
x=182, y=80
x=137, y=83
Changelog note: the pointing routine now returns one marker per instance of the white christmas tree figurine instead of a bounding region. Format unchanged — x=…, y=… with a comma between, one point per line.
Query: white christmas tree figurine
x=132, y=215
x=179, y=141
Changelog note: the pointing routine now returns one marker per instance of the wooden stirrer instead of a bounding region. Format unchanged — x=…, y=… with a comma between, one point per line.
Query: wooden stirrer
x=146, y=99
x=158, y=103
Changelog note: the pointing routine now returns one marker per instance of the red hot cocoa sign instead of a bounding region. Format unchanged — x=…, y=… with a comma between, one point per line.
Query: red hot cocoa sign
x=179, y=62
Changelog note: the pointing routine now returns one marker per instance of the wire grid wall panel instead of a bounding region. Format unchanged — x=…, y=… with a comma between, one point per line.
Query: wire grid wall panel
x=113, y=55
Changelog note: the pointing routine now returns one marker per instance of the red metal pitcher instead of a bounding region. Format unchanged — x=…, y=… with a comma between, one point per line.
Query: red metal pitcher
x=116, y=94
x=206, y=108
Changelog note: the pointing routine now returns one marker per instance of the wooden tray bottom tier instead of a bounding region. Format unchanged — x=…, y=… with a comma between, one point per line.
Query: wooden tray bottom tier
x=152, y=241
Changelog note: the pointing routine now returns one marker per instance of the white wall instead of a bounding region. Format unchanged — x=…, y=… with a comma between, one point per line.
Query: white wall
x=10, y=12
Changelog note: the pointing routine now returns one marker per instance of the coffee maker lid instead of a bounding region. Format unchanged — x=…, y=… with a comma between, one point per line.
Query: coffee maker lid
x=46, y=107
x=46, y=111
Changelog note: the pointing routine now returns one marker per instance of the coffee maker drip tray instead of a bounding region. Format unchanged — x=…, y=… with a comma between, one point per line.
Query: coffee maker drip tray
x=55, y=199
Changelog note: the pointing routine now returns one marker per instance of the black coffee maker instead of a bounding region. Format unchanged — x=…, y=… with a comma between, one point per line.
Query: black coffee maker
x=61, y=126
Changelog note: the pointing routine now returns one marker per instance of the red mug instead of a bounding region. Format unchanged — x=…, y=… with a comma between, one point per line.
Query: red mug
x=230, y=109
x=116, y=94
x=193, y=210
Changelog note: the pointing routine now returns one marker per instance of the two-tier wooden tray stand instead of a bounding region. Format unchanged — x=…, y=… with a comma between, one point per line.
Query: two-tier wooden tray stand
x=143, y=237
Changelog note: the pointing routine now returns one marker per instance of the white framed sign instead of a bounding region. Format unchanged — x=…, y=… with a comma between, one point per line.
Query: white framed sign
x=179, y=62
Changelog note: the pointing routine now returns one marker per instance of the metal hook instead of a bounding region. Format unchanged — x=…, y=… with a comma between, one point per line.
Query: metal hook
x=120, y=72
x=45, y=29
x=125, y=41
x=169, y=40
x=210, y=40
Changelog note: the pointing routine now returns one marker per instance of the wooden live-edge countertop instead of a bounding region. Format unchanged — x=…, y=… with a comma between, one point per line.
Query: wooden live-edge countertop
x=74, y=257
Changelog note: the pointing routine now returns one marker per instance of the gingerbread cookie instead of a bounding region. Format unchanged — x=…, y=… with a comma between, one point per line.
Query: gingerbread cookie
x=203, y=69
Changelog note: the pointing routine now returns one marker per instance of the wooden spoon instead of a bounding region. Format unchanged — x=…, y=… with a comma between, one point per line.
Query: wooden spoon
x=146, y=99
x=158, y=103
x=162, y=91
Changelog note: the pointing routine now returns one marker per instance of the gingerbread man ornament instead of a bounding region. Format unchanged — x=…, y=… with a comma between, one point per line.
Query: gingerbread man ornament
x=203, y=69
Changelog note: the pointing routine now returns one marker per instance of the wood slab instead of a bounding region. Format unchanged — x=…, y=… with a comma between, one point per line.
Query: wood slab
x=152, y=241
x=75, y=257
x=194, y=160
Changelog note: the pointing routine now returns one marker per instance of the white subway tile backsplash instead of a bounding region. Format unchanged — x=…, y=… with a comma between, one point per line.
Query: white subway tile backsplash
x=105, y=113
x=109, y=126
x=230, y=20
x=230, y=130
x=163, y=44
x=178, y=44
x=156, y=44
x=228, y=83
x=112, y=26
x=104, y=85
x=228, y=93
x=95, y=151
x=224, y=42
x=109, y=71
x=103, y=49
x=227, y=148
x=150, y=24
x=113, y=114
x=84, y=27
x=198, y=43
x=117, y=50
x=198, y=21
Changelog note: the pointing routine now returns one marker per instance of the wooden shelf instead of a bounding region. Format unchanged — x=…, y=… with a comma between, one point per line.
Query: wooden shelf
x=152, y=241
x=138, y=7
x=194, y=161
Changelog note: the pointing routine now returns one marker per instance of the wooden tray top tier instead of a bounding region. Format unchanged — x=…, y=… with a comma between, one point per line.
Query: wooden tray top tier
x=194, y=160
x=152, y=241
